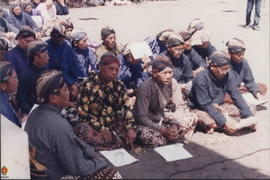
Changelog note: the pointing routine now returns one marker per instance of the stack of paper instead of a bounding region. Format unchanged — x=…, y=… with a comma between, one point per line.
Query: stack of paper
x=173, y=152
x=251, y=100
x=140, y=49
x=119, y=157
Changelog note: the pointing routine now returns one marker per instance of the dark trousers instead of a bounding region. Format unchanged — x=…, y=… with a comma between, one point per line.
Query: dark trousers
x=257, y=16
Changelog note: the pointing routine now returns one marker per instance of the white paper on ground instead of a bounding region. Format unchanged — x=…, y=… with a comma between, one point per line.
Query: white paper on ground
x=173, y=152
x=119, y=157
x=251, y=100
x=140, y=49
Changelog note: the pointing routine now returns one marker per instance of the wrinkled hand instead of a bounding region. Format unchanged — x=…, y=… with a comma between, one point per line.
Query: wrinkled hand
x=107, y=136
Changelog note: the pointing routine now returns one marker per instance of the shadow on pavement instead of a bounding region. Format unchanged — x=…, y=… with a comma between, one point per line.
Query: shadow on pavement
x=205, y=164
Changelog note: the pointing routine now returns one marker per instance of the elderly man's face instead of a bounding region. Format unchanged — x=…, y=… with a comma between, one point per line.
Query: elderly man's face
x=62, y=98
x=28, y=9
x=237, y=57
x=24, y=42
x=83, y=44
x=110, y=41
x=12, y=83
x=220, y=72
x=165, y=76
x=17, y=10
x=109, y=72
x=42, y=59
x=176, y=51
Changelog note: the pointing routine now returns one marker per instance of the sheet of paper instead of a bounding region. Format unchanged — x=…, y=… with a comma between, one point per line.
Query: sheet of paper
x=251, y=100
x=34, y=107
x=140, y=49
x=119, y=157
x=173, y=152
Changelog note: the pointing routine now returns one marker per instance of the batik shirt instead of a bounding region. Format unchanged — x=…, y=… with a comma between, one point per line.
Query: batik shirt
x=102, y=104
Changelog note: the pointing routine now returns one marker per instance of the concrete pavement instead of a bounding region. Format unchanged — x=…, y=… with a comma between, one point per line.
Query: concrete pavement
x=214, y=156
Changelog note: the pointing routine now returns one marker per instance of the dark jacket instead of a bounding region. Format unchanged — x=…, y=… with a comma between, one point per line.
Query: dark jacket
x=63, y=58
x=26, y=95
x=7, y=110
x=61, y=10
x=208, y=90
x=58, y=148
x=196, y=60
x=182, y=70
x=86, y=60
x=205, y=52
x=243, y=73
x=23, y=19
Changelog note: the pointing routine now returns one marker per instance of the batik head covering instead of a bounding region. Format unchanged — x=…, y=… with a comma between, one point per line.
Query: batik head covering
x=219, y=58
x=36, y=46
x=106, y=31
x=77, y=36
x=58, y=31
x=160, y=63
x=174, y=39
x=186, y=35
x=163, y=35
x=48, y=83
x=25, y=32
x=195, y=25
x=108, y=59
x=199, y=37
x=235, y=45
x=5, y=71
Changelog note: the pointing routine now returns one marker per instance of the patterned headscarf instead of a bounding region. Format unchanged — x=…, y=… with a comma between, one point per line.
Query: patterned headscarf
x=5, y=71
x=108, y=59
x=36, y=46
x=195, y=25
x=48, y=83
x=219, y=58
x=174, y=39
x=58, y=31
x=235, y=45
x=106, y=31
x=199, y=37
x=163, y=35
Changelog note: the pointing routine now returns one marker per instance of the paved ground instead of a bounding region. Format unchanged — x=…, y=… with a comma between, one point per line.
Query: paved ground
x=218, y=155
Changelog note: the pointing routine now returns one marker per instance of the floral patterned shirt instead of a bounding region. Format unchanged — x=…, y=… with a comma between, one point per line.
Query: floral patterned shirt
x=102, y=104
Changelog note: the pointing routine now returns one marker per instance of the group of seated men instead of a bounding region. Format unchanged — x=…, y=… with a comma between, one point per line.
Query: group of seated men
x=100, y=97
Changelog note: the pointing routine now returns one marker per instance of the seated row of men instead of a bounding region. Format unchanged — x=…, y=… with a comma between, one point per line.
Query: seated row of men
x=174, y=94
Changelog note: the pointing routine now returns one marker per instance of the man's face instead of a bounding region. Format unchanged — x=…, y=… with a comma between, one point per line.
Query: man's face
x=176, y=51
x=24, y=42
x=165, y=76
x=42, y=59
x=12, y=83
x=110, y=41
x=220, y=72
x=28, y=9
x=83, y=44
x=109, y=72
x=237, y=57
x=17, y=10
x=62, y=98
